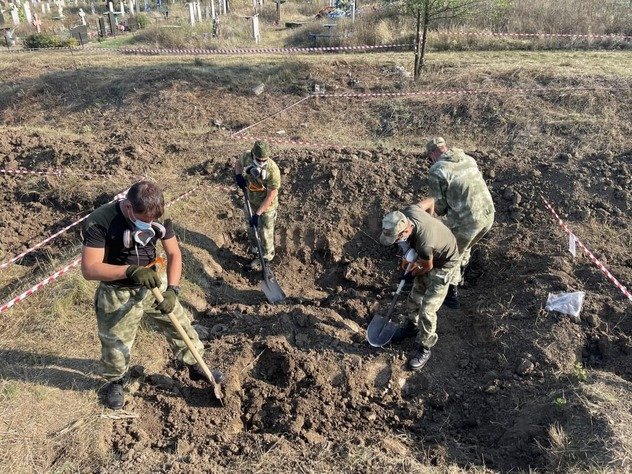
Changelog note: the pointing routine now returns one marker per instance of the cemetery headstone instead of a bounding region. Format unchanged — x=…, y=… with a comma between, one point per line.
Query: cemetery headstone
x=112, y=23
x=80, y=33
x=191, y=13
x=60, y=12
x=255, y=28
x=92, y=8
x=2, y=20
x=15, y=16
x=82, y=15
x=27, y=12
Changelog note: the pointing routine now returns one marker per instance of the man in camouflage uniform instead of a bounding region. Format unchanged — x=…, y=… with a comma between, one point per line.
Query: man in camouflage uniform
x=437, y=261
x=119, y=250
x=460, y=196
x=257, y=173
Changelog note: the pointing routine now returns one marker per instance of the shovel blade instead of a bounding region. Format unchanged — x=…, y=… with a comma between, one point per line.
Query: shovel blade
x=274, y=293
x=380, y=331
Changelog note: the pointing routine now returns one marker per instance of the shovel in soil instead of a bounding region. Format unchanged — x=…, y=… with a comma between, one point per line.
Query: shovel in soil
x=381, y=329
x=269, y=285
x=217, y=391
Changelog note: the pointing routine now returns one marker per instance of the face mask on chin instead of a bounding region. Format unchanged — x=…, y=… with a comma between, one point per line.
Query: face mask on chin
x=404, y=246
x=144, y=231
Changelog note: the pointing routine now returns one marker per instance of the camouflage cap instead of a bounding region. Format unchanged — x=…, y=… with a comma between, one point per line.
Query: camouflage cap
x=261, y=149
x=434, y=143
x=392, y=225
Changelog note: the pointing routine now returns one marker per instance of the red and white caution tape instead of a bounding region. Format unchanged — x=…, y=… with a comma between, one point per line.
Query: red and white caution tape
x=39, y=173
x=272, y=115
x=119, y=196
x=536, y=35
x=463, y=91
x=245, y=51
x=594, y=259
x=67, y=268
x=40, y=285
x=182, y=196
x=43, y=242
x=57, y=172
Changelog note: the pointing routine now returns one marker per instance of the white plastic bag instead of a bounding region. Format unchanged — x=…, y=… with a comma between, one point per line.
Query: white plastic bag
x=566, y=303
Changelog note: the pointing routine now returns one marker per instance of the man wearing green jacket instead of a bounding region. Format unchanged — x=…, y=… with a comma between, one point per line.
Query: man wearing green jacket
x=260, y=176
x=459, y=195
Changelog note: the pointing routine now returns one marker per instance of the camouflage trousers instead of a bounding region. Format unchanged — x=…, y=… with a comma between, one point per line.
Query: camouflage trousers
x=466, y=237
x=119, y=313
x=425, y=299
x=266, y=233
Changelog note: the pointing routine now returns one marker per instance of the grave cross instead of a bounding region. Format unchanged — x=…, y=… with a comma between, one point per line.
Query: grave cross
x=37, y=23
x=82, y=15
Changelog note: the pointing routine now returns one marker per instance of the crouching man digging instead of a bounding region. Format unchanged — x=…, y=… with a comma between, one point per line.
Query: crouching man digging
x=119, y=249
x=437, y=260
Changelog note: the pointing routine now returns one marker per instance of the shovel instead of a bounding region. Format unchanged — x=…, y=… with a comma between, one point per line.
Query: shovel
x=381, y=329
x=217, y=391
x=269, y=285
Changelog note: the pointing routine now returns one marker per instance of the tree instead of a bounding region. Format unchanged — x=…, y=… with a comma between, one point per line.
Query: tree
x=428, y=11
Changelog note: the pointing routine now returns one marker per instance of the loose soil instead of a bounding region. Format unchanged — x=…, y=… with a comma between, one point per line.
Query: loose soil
x=506, y=386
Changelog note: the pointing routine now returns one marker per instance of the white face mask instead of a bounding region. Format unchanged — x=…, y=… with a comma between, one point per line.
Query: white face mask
x=404, y=246
x=144, y=230
x=259, y=169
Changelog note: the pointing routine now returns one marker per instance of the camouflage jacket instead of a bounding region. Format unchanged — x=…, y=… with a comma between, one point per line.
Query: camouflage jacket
x=257, y=187
x=459, y=190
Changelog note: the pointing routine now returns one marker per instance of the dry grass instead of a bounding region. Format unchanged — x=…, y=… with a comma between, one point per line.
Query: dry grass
x=49, y=377
x=186, y=88
x=600, y=441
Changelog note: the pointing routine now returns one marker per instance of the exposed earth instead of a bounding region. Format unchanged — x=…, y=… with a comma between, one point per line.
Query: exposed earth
x=509, y=385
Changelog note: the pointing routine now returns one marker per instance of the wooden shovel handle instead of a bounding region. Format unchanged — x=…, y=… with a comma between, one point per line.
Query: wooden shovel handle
x=189, y=343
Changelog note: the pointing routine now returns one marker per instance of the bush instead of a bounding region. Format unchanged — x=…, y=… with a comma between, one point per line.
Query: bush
x=44, y=40
x=41, y=40
x=142, y=20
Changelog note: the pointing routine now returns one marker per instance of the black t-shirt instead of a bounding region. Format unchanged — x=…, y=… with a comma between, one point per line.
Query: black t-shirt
x=105, y=228
x=431, y=238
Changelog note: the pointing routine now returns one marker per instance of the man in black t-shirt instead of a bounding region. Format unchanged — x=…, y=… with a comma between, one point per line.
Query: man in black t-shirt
x=119, y=249
x=437, y=260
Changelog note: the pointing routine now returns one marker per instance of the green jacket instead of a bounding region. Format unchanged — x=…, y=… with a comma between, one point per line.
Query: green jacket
x=459, y=190
x=257, y=187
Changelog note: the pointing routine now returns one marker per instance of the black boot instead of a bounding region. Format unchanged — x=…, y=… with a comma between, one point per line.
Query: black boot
x=114, y=396
x=419, y=358
x=452, y=298
x=408, y=329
